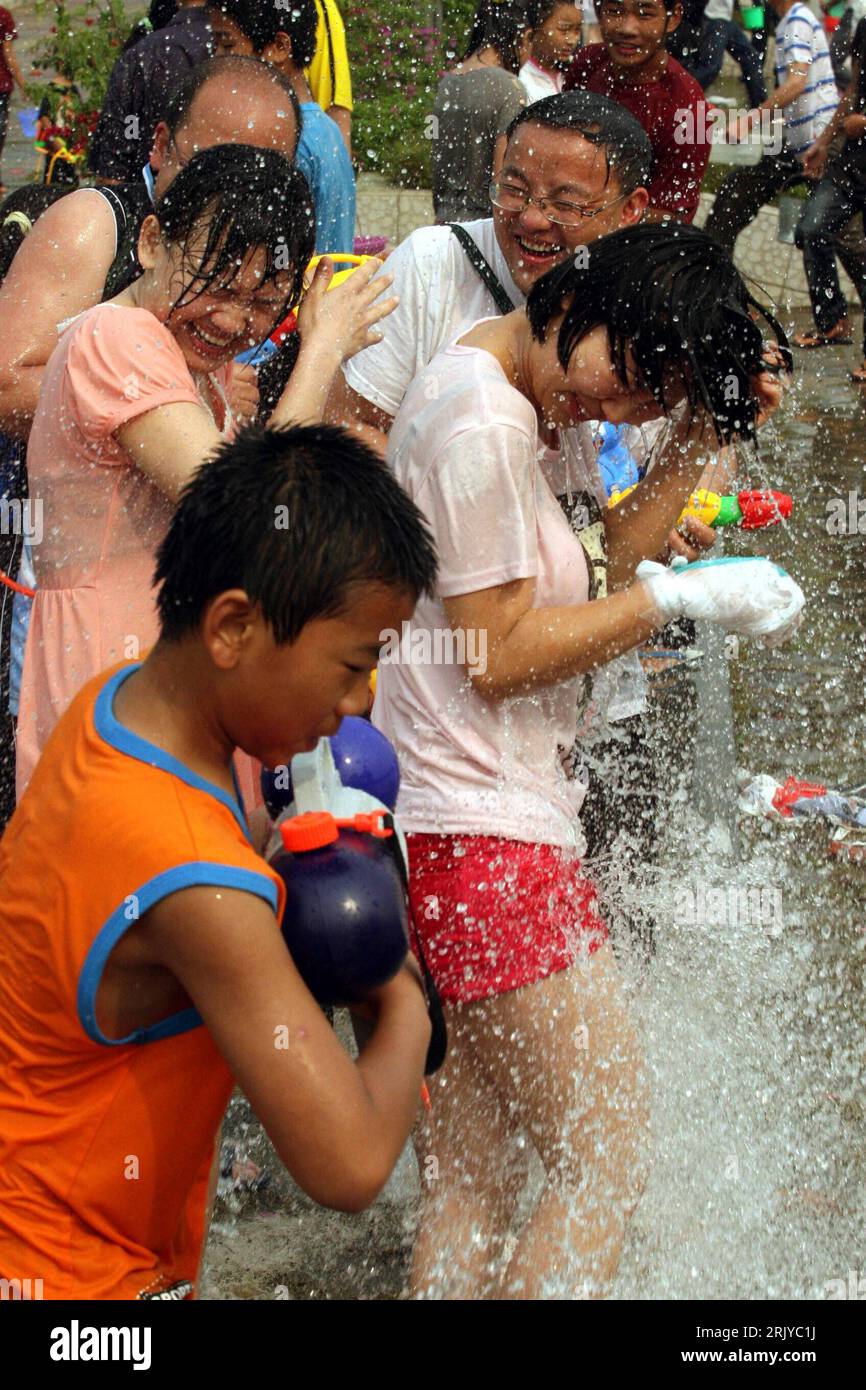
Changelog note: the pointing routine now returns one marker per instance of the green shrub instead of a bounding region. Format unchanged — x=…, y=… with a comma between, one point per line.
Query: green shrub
x=398, y=51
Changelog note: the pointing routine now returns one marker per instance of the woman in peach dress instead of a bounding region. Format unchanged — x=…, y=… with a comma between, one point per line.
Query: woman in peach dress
x=133, y=400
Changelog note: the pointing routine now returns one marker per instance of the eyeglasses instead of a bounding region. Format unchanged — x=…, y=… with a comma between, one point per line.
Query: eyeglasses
x=510, y=197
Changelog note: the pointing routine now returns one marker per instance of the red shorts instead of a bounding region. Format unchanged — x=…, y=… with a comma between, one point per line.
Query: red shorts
x=494, y=915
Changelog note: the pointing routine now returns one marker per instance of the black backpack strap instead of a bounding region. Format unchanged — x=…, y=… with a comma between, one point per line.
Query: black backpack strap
x=117, y=208
x=501, y=298
x=130, y=205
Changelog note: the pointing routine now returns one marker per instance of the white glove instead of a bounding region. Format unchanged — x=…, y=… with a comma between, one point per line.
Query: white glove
x=752, y=596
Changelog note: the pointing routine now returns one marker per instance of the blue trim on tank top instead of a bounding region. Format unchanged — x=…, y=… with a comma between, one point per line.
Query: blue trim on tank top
x=195, y=874
x=109, y=728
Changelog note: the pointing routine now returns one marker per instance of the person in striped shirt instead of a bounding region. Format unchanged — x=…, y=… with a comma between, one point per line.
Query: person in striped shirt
x=807, y=96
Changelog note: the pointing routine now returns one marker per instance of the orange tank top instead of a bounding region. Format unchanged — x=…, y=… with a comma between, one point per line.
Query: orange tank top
x=106, y=1146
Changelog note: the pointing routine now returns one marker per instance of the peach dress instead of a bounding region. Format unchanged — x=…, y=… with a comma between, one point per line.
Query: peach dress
x=102, y=518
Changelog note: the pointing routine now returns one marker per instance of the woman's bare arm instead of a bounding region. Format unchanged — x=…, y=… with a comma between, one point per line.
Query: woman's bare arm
x=58, y=271
x=528, y=648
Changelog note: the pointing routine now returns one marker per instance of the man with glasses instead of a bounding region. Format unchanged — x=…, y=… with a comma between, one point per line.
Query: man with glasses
x=574, y=169
x=632, y=65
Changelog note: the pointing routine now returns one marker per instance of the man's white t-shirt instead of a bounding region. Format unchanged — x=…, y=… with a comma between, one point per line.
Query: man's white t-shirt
x=800, y=38
x=441, y=295
x=465, y=448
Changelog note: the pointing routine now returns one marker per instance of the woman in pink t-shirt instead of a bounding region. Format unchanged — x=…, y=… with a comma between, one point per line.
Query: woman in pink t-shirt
x=480, y=699
x=133, y=400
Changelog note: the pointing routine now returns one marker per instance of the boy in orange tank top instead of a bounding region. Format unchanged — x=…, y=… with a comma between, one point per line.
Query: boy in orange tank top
x=142, y=970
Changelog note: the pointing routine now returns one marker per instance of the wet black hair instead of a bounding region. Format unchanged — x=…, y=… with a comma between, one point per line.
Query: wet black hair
x=499, y=24
x=245, y=71
x=31, y=201
x=602, y=122
x=244, y=197
x=261, y=22
x=673, y=297
x=299, y=518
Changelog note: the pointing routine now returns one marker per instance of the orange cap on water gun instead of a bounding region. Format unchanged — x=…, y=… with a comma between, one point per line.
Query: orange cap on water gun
x=315, y=829
x=312, y=830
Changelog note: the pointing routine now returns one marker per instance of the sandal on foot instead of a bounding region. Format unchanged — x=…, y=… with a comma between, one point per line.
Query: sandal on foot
x=818, y=340
x=859, y=375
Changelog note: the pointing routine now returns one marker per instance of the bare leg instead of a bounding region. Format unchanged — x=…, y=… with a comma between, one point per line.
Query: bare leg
x=579, y=1090
x=472, y=1171
x=560, y=1060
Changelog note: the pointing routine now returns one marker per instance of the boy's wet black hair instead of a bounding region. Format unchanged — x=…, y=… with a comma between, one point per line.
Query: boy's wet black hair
x=301, y=519
x=499, y=24
x=602, y=122
x=239, y=197
x=246, y=71
x=673, y=298
x=261, y=22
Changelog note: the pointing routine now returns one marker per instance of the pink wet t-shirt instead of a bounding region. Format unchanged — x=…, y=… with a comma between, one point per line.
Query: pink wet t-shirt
x=102, y=519
x=465, y=447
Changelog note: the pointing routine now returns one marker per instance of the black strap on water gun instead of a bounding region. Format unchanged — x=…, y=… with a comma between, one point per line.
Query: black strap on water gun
x=501, y=298
x=439, y=1037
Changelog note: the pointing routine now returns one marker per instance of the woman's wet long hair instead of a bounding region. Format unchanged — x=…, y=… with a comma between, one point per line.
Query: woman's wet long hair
x=674, y=299
x=238, y=198
x=499, y=24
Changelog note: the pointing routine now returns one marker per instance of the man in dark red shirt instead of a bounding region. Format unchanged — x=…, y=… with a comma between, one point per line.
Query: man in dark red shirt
x=10, y=73
x=632, y=65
